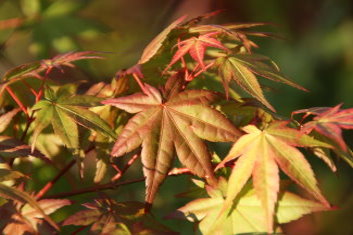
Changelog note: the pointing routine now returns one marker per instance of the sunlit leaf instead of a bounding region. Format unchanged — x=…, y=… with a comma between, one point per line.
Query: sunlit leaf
x=196, y=47
x=247, y=215
x=178, y=123
x=260, y=153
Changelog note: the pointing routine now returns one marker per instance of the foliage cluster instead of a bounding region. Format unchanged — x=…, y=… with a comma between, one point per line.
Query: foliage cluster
x=196, y=88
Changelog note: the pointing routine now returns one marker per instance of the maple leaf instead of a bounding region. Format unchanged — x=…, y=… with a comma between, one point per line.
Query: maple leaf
x=64, y=111
x=34, y=69
x=243, y=68
x=260, y=153
x=247, y=215
x=110, y=217
x=25, y=198
x=196, y=47
x=28, y=219
x=179, y=122
x=329, y=122
x=152, y=48
x=13, y=148
x=66, y=59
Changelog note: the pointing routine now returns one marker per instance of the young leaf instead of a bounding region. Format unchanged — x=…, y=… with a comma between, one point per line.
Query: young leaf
x=329, y=122
x=152, y=48
x=196, y=47
x=66, y=59
x=259, y=153
x=247, y=215
x=177, y=123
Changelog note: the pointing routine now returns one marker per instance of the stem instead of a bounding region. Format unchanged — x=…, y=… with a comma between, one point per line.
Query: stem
x=94, y=189
x=137, y=79
x=29, y=121
x=127, y=166
x=11, y=23
x=30, y=88
x=79, y=230
x=111, y=185
x=50, y=184
x=40, y=92
x=17, y=100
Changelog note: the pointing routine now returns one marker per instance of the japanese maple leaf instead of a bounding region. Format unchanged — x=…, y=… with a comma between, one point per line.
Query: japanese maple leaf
x=66, y=59
x=27, y=220
x=261, y=153
x=247, y=215
x=179, y=121
x=196, y=47
x=243, y=68
x=329, y=122
x=111, y=217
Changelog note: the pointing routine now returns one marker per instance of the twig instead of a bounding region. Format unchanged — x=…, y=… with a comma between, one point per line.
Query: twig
x=96, y=188
x=112, y=185
x=50, y=184
x=138, y=80
x=127, y=166
x=29, y=121
x=79, y=230
x=17, y=100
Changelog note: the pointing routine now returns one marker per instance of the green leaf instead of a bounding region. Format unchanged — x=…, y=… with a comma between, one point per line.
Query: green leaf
x=257, y=64
x=66, y=128
x=177, y=123
x=63, y=111
x=88, y=119
x=230, y=69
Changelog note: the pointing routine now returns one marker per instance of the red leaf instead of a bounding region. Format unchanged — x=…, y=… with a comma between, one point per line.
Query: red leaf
x=329, y=122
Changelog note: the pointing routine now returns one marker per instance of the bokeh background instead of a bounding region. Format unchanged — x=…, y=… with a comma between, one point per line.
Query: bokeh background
x=316, y=52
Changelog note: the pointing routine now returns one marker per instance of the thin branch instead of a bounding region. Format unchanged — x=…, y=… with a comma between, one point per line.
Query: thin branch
x=79, y=230
x=30, y=88
x=127, y=166
x=28, y=124
x=93, y=189
x=141, y=85
x=50, y=184
x=112, y=185
x=17, y=100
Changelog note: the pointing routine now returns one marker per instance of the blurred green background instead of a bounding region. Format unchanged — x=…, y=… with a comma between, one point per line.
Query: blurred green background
x=317, y=53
